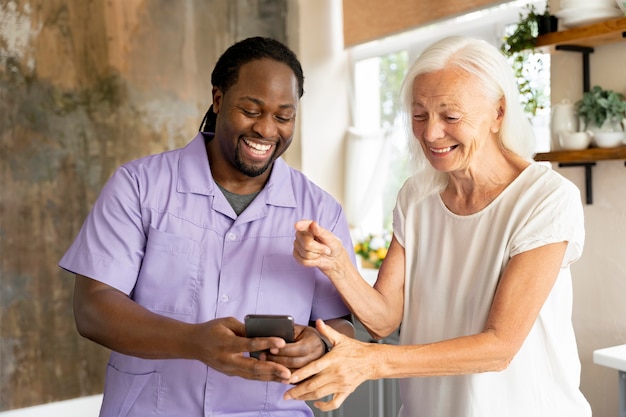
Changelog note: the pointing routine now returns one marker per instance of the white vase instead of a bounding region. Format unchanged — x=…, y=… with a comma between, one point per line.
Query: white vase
x=564, y=118
x=614, y=124
x=610, y=134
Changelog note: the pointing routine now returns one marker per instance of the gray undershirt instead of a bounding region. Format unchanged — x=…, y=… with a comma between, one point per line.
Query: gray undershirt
x=238, y=202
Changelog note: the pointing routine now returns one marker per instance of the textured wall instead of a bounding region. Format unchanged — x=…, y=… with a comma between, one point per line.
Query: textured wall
x=85, y=86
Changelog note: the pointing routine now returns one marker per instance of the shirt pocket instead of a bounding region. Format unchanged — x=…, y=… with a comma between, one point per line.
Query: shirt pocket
x=168, y=279
x=286, y=288
x=129, y=395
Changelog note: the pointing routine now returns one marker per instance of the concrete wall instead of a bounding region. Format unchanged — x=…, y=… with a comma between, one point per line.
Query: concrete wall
x=85, y=86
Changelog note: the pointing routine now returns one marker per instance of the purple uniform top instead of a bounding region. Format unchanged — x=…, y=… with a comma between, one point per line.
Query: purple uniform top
x=162, y=232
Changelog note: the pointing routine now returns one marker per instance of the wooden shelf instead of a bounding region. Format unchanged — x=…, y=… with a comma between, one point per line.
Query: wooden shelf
x=584, y=158
x=582, y=40
x=600, y=33
x=584, y=155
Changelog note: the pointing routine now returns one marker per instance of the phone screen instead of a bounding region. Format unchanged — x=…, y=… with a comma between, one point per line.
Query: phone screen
x=266, y=325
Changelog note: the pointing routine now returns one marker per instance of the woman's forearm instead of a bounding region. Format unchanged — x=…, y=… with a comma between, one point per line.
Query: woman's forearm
x=380, y=314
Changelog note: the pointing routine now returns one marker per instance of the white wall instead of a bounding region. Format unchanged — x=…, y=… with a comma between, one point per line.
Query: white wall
x=600, y=275
x=324, y=109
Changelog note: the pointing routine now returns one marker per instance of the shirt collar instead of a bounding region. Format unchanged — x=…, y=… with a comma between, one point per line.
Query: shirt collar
x=279, y=189
x=195, y=175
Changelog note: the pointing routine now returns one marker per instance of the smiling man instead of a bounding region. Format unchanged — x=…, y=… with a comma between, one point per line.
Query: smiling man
x=180, y=246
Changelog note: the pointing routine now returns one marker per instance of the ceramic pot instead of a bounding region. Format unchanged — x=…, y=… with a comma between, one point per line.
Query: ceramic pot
x=610, y=134
x=571, y=141
x=608, y=139
x=564, y=118
x=547, y=24
x=614, y=124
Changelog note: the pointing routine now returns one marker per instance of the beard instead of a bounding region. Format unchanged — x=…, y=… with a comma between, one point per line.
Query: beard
x=250, y=170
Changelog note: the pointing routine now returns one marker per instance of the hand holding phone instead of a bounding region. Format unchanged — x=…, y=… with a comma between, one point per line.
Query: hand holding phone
x=268, y=325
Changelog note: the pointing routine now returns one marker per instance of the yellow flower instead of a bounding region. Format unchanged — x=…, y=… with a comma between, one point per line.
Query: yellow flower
x=373, y=248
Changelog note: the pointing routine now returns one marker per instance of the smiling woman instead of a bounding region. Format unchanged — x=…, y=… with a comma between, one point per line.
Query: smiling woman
x=478, y=270
x=376, y=170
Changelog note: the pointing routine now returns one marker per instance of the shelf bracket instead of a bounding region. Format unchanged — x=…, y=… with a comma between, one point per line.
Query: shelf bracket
x=588, y=187
x=585, y=51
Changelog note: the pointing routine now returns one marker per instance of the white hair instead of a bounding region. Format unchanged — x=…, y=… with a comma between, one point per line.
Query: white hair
x=494, y=73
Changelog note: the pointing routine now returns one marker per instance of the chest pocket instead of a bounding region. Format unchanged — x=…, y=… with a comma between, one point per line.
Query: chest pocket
x=168, y=279
x=286, y=288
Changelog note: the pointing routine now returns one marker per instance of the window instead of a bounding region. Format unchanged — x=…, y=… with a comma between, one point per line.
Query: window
x=377, y=86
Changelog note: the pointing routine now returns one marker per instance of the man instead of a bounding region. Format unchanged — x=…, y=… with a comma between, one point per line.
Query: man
x=180, y=246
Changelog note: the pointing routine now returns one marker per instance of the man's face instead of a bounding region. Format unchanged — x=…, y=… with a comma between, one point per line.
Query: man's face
x=256, y=116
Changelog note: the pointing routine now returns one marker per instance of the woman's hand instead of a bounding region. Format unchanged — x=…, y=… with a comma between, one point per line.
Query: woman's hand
x=339, y=372
x=315, y=246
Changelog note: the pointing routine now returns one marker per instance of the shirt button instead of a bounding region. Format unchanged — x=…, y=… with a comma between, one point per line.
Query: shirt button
x=231, y=236
x=225, y=298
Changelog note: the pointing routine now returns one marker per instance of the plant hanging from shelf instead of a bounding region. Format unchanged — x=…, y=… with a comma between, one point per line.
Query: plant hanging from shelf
x=519, y=47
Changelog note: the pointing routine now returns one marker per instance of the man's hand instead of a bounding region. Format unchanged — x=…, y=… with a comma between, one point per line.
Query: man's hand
x=109, y=317
x=307, y=347
x=224, y=348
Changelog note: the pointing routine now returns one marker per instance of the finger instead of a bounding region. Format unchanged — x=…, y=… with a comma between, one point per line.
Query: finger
x=307, y=390
x=328, y=332
x=310, y=250
x=320, y=234
x=255, y=344
x=316, y=388
x=307, y=347
x=307, y=371
x=333, y=404
x=307, y=236
x=302, y=225
x=266, y=371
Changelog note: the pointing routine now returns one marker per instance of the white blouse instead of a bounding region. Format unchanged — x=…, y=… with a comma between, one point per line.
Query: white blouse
x=453, y=265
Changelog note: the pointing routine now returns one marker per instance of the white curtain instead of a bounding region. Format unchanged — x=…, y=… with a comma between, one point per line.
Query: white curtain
x=367, y=167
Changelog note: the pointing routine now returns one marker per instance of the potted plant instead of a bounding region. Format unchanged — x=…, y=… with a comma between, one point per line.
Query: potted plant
x=546, y=22
x=373, y=249
x=524, y=36
x=601, y=110
x=519, y=47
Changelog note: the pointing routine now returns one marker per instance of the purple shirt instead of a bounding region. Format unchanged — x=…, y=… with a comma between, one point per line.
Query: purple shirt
x=162, y=232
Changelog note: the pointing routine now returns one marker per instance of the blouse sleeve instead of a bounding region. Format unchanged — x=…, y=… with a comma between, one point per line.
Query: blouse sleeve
x=557, y=216
x=399, y=213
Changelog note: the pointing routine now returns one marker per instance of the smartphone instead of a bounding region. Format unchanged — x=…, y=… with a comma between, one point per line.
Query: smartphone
x=266, y=325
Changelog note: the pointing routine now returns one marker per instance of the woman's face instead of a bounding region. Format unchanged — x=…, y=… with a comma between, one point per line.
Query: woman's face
x=452, y=119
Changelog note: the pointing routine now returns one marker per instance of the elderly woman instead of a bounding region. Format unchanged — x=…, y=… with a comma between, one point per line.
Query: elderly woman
x=478, y=271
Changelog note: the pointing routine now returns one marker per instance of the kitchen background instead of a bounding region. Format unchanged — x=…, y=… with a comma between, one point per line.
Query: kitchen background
x=85, y=86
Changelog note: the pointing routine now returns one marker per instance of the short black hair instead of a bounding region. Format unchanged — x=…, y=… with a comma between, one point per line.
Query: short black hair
x=226, y=71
